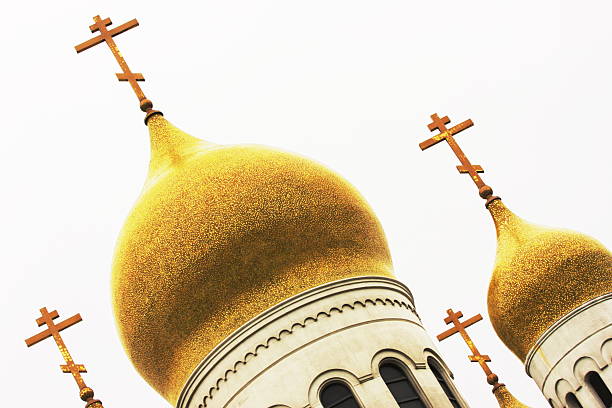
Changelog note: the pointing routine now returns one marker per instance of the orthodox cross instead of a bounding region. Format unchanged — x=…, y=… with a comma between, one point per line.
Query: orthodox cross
x=438, y=123
x=53, y=330
x=476, y=357
x=127, y=75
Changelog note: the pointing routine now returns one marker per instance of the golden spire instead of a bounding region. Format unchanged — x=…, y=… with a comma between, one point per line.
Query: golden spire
x=540, y=274
x=53, y=330
x=504, y=397
x=127, y=75
x=438, y=123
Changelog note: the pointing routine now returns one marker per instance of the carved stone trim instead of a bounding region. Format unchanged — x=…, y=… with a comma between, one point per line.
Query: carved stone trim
x=366, y=378
x=297, y=325
x=549, y=332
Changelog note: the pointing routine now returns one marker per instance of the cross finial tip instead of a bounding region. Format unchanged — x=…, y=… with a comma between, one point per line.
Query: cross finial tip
x=492, y=379
x=86, y=393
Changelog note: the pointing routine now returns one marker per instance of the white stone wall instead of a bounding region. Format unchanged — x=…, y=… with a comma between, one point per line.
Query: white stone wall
x=575, y=345
x=338, y=331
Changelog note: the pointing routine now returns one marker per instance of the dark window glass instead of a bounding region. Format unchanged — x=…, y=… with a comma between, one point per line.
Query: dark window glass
x=443, y=384
x=337, y=395
x=600, y=388
x=400, y=386
x=572, y=401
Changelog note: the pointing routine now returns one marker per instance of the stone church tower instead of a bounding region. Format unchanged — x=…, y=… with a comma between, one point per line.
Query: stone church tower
x=550, y=302
x=549, y=296
x=249, y=277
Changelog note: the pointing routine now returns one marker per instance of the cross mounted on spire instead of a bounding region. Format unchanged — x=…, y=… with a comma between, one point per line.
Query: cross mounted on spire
x=439, y=124
x=476, y=357
x=100, y=25
x=53, y=330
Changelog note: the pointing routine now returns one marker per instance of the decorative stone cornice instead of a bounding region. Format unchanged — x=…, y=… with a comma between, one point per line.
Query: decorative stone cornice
x=295, y=326
x=307, y=309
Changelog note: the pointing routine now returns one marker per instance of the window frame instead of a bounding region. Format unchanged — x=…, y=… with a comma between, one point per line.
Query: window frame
x=410, y=368
x=432, y=361
x=592, y=389
x=323, y=379
x=337, y=381
x=409, y=376
x=572, y=404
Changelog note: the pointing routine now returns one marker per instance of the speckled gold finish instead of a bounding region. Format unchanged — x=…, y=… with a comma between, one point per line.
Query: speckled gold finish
x=540, y=275
x=219, y=235
x=506, y=399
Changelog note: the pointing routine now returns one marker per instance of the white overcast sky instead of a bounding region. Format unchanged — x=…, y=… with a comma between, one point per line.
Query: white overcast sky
x=348, y=83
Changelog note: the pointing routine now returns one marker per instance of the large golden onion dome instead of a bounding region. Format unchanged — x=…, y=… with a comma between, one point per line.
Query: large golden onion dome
x=540, y=275
x=219, y=235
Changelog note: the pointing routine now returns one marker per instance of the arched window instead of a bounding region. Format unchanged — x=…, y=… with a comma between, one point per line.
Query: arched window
x=599, y=387
x=447, y=390
x=572, y=401
x=337, y=395
x=400, y=386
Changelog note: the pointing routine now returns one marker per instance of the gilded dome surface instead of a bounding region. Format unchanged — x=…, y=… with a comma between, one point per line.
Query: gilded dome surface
x=505, y=399
x=219, y=235
x=540, y=275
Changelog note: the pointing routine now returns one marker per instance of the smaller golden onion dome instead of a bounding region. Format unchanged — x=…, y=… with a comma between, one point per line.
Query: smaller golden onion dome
x=219, y=235
x=505, y=399
x=540, y=275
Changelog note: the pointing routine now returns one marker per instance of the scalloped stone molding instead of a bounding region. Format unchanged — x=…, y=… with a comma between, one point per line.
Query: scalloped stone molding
x=274, y=359
x=285, y=332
